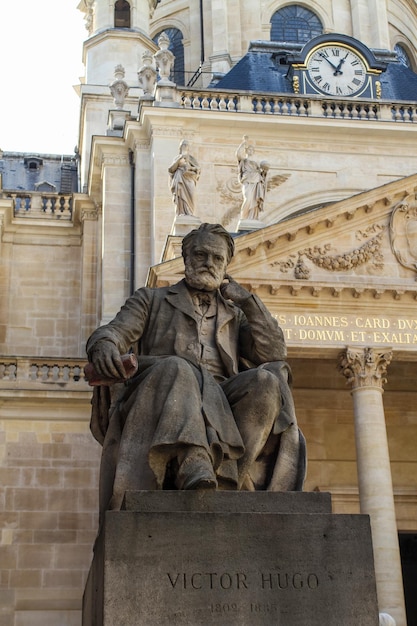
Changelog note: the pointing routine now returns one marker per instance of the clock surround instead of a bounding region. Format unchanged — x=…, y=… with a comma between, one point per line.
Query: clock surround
x=336, y=66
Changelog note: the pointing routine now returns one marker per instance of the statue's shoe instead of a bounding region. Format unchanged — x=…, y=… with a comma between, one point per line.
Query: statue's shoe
x=196, y=471
x=200, y=482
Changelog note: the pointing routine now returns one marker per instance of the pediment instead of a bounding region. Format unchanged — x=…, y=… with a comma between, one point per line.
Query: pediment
x=356, y=258
x=46, y=186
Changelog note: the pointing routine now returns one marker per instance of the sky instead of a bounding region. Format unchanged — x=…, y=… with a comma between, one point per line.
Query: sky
x=41, y=61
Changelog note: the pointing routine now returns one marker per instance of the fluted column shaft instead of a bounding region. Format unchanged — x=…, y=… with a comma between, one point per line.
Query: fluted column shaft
x=365, y=369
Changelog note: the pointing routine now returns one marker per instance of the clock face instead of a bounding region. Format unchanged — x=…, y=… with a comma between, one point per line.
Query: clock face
x=336, y=70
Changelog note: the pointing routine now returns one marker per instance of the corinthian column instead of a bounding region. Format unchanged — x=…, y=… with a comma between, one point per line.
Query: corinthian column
x=365, y=370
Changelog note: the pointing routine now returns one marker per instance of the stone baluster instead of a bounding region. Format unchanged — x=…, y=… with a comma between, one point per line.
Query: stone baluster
x=7, y=371
x=186, y=101
x=214, y=106
x=196, y=104
x=231, y=105
x=222, y=104
x=47, y=204
x=39, y=372
x=365, y=370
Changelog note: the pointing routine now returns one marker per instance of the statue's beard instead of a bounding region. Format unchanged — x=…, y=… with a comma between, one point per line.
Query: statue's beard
x=202, y=279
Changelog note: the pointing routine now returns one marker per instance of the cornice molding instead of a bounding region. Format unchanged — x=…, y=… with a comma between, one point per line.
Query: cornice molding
x=114, y=159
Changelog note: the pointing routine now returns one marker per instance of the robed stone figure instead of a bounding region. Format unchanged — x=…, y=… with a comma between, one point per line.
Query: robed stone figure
x=184, y=173
x=210, y=405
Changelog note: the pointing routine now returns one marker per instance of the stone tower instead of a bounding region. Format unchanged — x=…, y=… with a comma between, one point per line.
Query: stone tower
x=118, y=35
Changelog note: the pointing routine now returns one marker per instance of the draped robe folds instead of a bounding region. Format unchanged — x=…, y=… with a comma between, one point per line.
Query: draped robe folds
x=253, y=189
x=184, y=175
x=173, y=401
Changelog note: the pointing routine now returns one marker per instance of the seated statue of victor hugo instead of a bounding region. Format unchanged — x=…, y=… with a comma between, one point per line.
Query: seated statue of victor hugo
x=209, y=406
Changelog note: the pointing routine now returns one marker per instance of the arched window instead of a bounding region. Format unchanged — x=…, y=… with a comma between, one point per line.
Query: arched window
x=402, y=56
x=121, y=14
x=177, y=48
x=295, y=23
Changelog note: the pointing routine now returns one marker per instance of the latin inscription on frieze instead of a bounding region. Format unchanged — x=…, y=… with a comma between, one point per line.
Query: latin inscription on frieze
x=318, y=329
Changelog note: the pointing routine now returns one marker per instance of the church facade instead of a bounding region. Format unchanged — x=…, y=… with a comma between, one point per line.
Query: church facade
x=325, y=94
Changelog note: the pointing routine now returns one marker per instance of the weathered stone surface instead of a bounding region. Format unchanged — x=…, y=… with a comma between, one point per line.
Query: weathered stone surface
x=191, y=418
x=200, y=567
x=228, y=502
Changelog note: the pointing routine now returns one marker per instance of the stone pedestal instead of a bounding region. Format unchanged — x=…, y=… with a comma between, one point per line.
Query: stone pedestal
x=117, y=120
x=231, y=558
x=183, y=224
x=249, y=225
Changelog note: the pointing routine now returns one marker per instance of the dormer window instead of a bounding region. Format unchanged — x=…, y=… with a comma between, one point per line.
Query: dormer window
x=45, y=186
x=33, y=163
x=122, y=14
x=402, y=55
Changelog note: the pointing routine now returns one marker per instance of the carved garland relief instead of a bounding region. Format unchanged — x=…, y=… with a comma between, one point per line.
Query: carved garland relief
x=369, y=252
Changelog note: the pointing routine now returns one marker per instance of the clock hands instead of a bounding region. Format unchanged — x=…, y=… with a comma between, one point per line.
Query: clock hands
x=328, y=61
x=346, y=76
x=337, y=69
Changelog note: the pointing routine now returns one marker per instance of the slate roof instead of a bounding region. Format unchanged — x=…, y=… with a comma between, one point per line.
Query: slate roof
x=263, y=70
x=59, y=172
x=398, y=82
x=257, y=71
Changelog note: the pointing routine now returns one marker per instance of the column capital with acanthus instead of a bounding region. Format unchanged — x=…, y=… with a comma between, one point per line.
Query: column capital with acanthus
x=364, y=367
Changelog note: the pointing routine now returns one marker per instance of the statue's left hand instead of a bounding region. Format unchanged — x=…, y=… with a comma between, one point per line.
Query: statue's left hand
x=231, y=290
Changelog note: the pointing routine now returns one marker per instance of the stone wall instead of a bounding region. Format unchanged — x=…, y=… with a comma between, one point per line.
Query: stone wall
x=49, y=499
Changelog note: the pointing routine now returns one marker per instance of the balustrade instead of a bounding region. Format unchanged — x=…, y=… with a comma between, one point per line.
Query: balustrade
x=404, y=113
x=209, y=101
x=350, y=110
x=37, y=204
x=296, y=106
x=42, y=370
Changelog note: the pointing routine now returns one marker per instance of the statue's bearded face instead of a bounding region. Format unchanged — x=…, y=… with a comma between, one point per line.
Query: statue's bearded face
x=206, y=263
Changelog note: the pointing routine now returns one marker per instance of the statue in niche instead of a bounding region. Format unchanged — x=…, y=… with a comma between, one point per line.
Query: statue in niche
x=184, y=174
x=252, y=177
x=209, y=406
